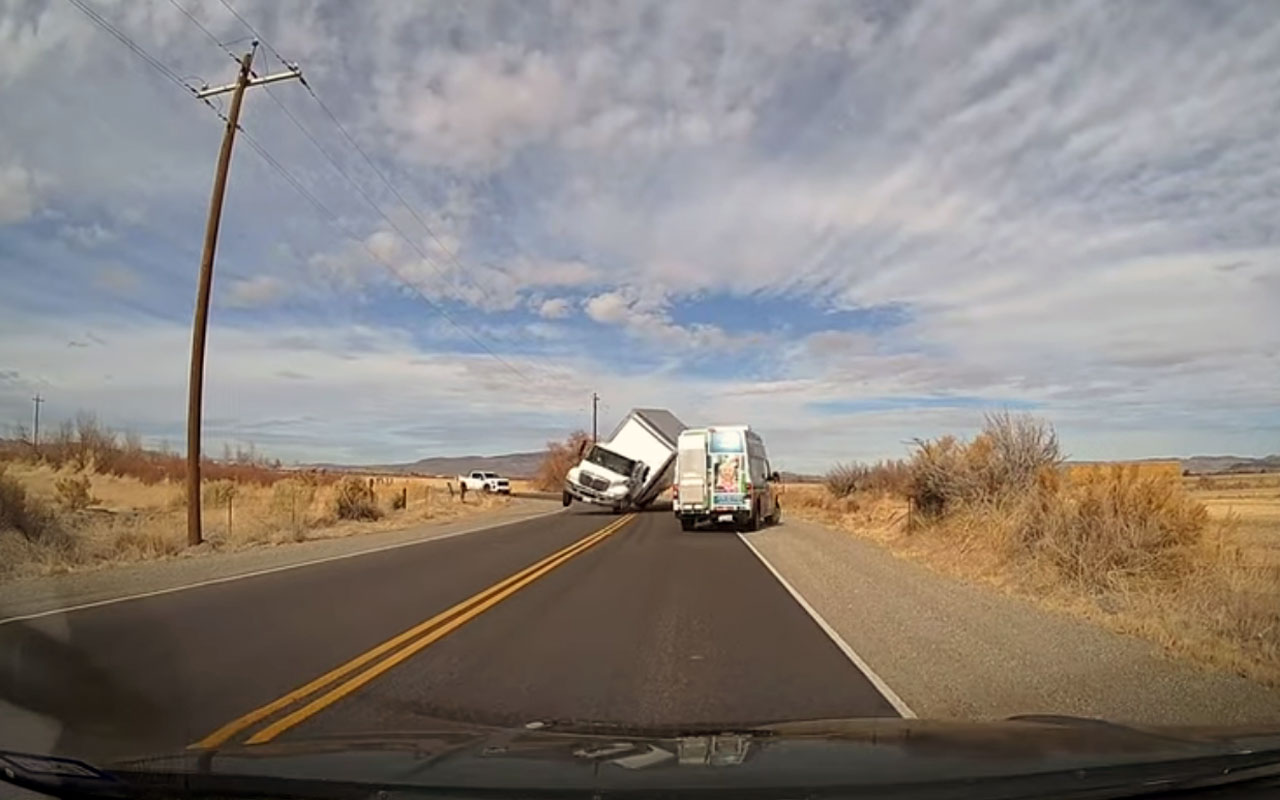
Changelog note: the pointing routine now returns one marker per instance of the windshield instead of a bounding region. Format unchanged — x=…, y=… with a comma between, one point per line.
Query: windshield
x=834, y=360
x=610, y=460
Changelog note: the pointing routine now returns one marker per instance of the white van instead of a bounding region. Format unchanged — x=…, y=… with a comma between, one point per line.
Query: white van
x=723, y=475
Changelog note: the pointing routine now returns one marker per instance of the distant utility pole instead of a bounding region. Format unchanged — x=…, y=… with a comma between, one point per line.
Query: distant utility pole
x=595, y=405
x=35, y=429
x=195, y=385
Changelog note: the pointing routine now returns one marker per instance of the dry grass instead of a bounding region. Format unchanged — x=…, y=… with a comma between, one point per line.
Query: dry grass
x=1190, y=565
x=1167, y=469
x=130, y=519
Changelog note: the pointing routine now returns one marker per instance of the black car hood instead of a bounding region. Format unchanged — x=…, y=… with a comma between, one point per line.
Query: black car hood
x=1023, y=756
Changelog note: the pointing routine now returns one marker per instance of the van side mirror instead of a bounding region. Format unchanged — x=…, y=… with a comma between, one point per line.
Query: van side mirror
x=775, y=478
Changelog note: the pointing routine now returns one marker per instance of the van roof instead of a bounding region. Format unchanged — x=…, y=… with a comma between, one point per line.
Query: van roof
x=717, y=428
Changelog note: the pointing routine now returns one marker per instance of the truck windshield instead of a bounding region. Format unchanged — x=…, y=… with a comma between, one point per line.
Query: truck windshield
x=610, y=460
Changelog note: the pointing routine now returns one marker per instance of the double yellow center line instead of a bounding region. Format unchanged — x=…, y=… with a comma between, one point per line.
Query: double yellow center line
x=367, y=666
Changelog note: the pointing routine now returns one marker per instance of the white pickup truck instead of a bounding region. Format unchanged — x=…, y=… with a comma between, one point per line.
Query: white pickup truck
x=487, y=482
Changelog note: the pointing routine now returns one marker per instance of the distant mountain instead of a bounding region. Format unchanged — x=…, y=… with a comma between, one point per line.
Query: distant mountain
x=511, y=465
x=1202, y=465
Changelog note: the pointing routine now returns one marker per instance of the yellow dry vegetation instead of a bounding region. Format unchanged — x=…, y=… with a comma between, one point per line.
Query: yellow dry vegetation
x=128, y=520
x=1192, y=564
x=1166, y=469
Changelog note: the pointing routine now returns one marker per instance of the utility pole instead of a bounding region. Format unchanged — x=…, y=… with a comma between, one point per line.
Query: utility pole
x=595, y=404
x=195, y=384
x=35, y=429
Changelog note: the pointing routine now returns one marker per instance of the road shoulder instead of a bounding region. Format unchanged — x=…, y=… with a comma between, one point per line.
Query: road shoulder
x=35, y=596
x=955, y=650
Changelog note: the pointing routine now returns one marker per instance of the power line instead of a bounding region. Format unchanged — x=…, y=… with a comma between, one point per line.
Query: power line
x=297, y=185
x=336, y=220
x=310, y=197
x=203, y=29
x=453, y=258
x=431, y=262
x=254, y=31
x=151, y=60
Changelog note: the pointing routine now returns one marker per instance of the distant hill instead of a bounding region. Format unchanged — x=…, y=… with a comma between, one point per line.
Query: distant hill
x=1211, y=465
x=1203, y=465
x=511, y=465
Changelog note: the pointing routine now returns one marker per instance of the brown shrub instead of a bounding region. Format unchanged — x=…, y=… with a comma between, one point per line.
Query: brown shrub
x=1009, y=456
x=885, y=477
x=355, y=500
x=74, y=492
x=1112, y=526
x=1101, y=527
x=560, y=457
x=23, y=513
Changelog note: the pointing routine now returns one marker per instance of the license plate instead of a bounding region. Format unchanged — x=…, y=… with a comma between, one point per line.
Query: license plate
x=725, y=518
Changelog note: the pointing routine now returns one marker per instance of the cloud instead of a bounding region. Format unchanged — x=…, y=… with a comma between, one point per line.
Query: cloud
x=17, y=193
x=555, y=308
x=1072, y=205
x=645, y=317
x=260, y=290
x=88, y=236
x=472, y=109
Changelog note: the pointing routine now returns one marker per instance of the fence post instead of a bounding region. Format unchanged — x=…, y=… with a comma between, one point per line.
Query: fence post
x=404, y=496
x=230, y=498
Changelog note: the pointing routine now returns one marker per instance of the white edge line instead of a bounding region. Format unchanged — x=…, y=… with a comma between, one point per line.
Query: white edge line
x=876, y=681
x=269, y=570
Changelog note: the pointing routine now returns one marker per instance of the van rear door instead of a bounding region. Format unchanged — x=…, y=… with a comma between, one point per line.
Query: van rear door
x=691, y=464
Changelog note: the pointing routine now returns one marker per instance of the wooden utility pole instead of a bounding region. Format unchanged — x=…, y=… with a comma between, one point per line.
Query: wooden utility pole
x=595, y=405
x=195, y=384
x=35, y=428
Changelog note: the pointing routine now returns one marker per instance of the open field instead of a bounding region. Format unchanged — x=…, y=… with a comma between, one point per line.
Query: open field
x=1251, y=503
x=121, y=518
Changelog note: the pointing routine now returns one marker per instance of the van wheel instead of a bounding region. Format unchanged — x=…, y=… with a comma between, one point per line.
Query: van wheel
x=566, y=498
x=753, y=522
x=777, y=514
x=688, y=523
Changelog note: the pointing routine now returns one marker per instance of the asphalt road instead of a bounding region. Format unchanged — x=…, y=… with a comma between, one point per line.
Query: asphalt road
x=644, y=626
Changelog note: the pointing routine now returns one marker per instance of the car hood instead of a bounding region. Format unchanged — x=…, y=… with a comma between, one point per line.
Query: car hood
x=1023, y=756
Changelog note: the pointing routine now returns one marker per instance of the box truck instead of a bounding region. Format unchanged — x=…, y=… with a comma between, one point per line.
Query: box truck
x=632, y=467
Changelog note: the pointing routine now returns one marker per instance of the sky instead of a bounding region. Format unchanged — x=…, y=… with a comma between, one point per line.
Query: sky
x=847, y=224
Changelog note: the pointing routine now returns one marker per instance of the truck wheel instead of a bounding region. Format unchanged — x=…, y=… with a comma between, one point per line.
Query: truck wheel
x=616, y=509
x=753, y=522
x=688, y=523
x=488, y=489
x=566, y=498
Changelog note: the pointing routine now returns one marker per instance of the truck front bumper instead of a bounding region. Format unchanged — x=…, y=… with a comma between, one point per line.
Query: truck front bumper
x=585, y=495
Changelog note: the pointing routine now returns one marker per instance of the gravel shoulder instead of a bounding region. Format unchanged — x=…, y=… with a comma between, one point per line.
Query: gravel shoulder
x=27, y=596
x=955, y=650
